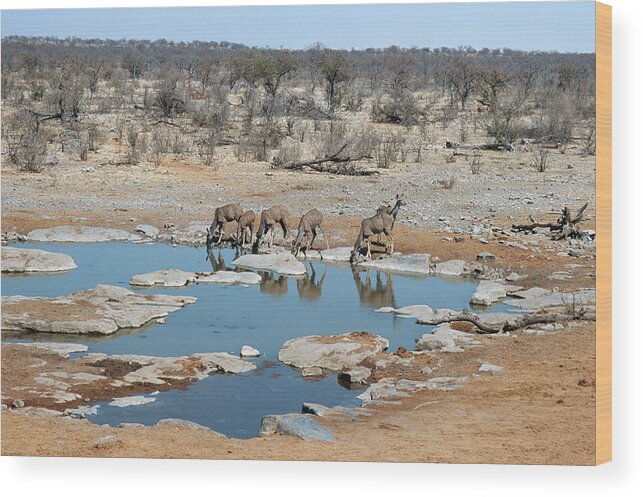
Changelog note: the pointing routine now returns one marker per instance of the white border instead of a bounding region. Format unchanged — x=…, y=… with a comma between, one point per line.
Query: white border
x=97, y=477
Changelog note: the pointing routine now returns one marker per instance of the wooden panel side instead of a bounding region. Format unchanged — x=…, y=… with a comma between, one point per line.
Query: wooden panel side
x=603, y=233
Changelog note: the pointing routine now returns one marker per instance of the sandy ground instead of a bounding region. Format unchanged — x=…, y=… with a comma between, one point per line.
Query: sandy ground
x=540, y=410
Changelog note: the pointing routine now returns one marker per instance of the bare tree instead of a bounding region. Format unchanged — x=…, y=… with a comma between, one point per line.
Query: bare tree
x=336, y=69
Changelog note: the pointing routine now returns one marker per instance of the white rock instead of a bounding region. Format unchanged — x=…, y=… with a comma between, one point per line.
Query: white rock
x=134, y=400
x=223, y=362
x=455, y=267
x=337, y=254
x=148, y=230
x=412, y=263
x=80, y=234
x=335, y=352
x=312, y=372
x=356, y=375
x=63, y=349
x=19, y=260
x=283, y=263
x=102, y=310
x=163, y=277
x=486, y=367
x=248, y=351
x=489, y=292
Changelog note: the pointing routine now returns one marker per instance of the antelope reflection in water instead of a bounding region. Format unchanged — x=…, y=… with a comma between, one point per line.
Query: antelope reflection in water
x=218, y=263
x=378, y=294
x=273, y=283
x=309, y=287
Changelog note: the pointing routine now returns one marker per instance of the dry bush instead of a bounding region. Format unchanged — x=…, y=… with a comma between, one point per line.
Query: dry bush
x=133, y=140
x=207, y=145
x=26, y=142
x=539, y=162
x=352, y=142
x=448, y=183
x=289, y=151
x=160, y=144
x=95, y=137
x=475, y=164
x=399, y=108
x=390, y=149
x=169, y=98
x=257, y=140
x=589, y=146
x=180, y=145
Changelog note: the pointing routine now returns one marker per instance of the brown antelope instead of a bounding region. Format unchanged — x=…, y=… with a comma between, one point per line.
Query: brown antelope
x=277, y=214
x=309, y=225
x=245, y=227
x=222, y=215
x=381, y=222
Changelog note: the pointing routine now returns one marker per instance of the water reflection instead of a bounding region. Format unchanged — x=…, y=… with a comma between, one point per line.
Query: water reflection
x=374, y=294
x=218, y=263
x=273, y=283
x=309, y=287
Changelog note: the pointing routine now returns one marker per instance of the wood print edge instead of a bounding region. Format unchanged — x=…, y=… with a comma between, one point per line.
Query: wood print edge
x=603, y=233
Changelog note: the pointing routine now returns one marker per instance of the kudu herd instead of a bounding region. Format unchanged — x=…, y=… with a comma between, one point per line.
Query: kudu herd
x=310, y=226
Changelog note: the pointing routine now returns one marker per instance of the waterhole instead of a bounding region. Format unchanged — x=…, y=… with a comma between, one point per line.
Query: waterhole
x=330, y=299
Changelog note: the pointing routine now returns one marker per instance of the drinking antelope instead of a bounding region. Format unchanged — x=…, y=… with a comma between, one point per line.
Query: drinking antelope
x=277, y=214
x=309, y=226
x=381, y=222
x=222, y=215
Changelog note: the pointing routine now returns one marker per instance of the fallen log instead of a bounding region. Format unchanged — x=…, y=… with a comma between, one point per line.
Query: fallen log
x=522, y=322
x=338, y=163
x=564, y=227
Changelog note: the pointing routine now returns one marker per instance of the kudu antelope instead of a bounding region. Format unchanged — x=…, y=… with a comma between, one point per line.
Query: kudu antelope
x=309, y=226
x=277, y=214
x=381, y=222
x=222, y=215
x=245, y=228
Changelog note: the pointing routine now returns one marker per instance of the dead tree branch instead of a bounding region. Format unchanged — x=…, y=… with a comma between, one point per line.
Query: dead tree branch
x=564, y=227
x=508, y=326
x=337, y=159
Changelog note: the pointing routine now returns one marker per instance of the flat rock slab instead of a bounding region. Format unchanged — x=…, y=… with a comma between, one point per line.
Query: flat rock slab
x=80, y=234
x=337, y=413
x=62, y=349
x=302, y=426
x=582, y=297
x=410, y=311
x=337, y=254
x=444, y=339
x=148, y=230
x=102, y=310
x=178, y=278
x=133, y=400
x=489, y=292
x=184, y=423
x=22, y=260
x=422, y=313
x=334, y=352
x=412, y=263
x=283, y=263
x=455, y=267
x=388, y=388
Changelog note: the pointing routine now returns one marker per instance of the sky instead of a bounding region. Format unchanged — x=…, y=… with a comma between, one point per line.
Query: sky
x=546, y=26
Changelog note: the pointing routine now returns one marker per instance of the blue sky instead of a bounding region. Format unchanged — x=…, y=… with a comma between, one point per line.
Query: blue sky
x=559, y=26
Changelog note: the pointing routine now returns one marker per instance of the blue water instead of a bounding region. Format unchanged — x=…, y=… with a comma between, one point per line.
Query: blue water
x=331, y=299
